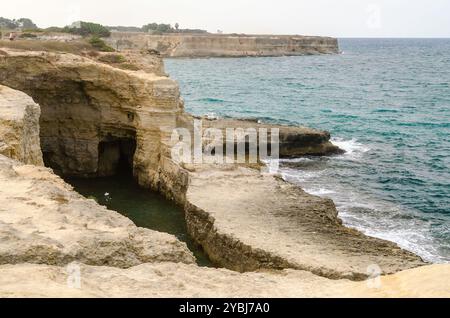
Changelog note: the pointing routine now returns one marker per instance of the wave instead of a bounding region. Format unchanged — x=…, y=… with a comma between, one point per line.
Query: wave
x=383, y=110
x=295, y=160
x=211, y=100
x=319, y=192
x=353, y=149
x=373, y=216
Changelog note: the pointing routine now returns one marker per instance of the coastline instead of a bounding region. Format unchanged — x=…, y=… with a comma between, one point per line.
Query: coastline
x=340, y=253
x=224, y=45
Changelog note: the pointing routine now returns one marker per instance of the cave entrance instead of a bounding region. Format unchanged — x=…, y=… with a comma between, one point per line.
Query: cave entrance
x=115, y=156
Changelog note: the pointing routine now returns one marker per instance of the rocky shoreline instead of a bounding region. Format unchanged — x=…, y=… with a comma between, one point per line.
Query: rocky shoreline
x=290, y=243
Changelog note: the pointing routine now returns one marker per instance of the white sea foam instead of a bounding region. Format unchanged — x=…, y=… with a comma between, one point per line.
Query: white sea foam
x=353, y=149
x=295, y=160
x=370, y=215
x=319, y=191
x=299, y=176
x=211, y=116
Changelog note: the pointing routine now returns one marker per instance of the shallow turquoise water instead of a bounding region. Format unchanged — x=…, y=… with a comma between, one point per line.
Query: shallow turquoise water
x=145, y=208
x=386, y=101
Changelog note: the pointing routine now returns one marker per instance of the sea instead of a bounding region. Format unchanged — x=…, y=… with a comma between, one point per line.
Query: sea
x=385, y=101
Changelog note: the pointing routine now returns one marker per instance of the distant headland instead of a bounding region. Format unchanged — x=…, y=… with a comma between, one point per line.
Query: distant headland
x=170, y=41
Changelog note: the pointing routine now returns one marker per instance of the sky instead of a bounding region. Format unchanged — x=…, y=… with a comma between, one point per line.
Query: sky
x=338, y=18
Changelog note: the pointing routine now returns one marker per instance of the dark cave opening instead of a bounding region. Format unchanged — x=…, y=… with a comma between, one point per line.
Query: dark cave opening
x=115, y=156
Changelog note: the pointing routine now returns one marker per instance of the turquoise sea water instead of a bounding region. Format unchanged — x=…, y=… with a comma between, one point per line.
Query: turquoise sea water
x=385, y=101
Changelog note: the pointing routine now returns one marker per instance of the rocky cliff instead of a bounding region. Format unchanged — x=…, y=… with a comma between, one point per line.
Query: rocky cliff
x=96, y=118
x=199, y=45
x=93, y=115
x=19, y=127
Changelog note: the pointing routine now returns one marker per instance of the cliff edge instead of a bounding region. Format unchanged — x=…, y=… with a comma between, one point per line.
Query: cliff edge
x=218, y=45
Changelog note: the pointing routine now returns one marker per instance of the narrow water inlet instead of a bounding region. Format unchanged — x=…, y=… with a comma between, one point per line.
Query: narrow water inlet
x=144, y=207
x=115, y=188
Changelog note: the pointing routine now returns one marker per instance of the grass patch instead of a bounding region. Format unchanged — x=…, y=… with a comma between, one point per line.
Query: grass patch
x=129, y=67
x=73, y=47
x=112, y=59
x=27, y=36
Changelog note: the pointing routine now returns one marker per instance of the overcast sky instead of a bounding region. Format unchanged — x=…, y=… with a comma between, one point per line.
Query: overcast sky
x=339, y=18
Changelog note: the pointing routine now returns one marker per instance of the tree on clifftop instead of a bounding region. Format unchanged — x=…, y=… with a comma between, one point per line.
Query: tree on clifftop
x=27, y=24
x=158, y=28
x=23, y=23
x=88, y=28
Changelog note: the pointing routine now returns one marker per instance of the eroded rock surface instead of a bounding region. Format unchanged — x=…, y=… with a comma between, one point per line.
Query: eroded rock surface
x=293, y=141
x=181, y=280
x=246, y=221
x=86, y=105
x=19, y=127
x=42, y=220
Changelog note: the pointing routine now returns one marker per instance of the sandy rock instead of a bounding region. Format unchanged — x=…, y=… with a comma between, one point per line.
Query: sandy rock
x=181, y=280
x=213, y=45
x=247, y=221
x=19, y=127
x=42, y=220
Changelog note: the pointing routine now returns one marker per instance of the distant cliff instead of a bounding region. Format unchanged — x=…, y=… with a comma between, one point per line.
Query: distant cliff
x=215, y=45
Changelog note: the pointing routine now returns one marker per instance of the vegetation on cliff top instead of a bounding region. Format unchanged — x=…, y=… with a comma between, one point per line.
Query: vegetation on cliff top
x=156, y=28
x=79, y=28
x=84, y=29
x=93, y=29
x=100, y=45
x=22, y=23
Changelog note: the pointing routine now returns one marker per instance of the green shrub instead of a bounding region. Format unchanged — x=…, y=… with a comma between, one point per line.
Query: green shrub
x=23, y=23
x=100, y=45
x=27, y=36
x=88, y=28
x=129, y=67
x=55, y=29
x=32, y=30
x=112, y=58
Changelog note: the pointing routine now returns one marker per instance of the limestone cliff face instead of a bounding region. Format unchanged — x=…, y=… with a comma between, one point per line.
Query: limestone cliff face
x=225, y=45
x=19, y=127
x=93, y=114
